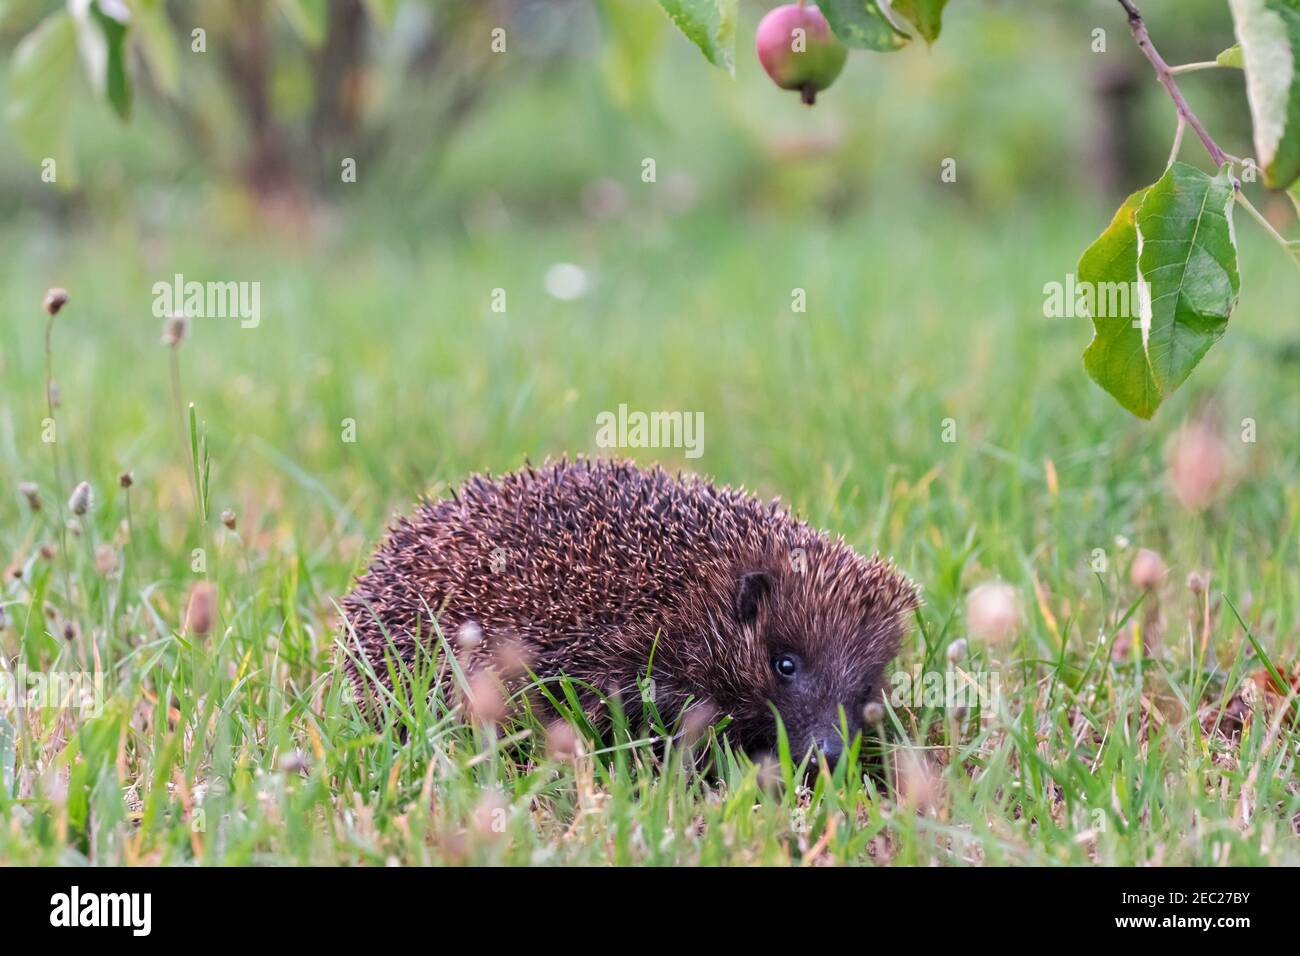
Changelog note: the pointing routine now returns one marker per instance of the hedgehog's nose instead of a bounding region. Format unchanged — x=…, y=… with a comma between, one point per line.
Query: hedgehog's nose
x=831, y=747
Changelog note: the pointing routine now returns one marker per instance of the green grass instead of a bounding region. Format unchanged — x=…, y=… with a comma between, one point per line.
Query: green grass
x=244, y=747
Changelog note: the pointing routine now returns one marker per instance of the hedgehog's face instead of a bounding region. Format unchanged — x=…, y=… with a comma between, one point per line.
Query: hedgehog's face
x=823, y=654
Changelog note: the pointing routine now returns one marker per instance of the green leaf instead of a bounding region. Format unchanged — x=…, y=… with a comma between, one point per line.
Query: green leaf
x=1269, y=34
x=635, y=36
x=102, y=26
x=112, y=18
x=101, y=38
x=40, y=94
x=1117, y=358
x=154, y=38
x=309, y=19
x=1231, y=57
x=1171, y=248
x=1294, y=193
x=1188, y=261
x=861, y=24
x=710, y=25
x=925, y=15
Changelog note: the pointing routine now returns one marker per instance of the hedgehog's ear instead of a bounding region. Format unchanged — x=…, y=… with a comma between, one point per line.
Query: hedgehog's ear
x=753, y=587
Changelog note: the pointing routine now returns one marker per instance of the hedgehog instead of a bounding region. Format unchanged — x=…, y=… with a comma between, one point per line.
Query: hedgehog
x=626, y=578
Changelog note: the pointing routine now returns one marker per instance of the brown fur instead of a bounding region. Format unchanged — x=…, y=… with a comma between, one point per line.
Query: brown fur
x=596, y=562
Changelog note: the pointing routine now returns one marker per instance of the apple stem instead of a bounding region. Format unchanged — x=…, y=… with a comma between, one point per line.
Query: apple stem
x=809, y=93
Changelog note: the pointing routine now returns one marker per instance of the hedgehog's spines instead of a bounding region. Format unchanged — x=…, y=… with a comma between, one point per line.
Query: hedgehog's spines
x=581, y=561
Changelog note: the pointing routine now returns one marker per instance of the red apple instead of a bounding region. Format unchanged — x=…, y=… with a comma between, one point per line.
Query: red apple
x=798, y=50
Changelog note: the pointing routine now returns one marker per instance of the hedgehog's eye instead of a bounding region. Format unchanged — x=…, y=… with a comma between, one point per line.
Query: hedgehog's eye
x=785, y=665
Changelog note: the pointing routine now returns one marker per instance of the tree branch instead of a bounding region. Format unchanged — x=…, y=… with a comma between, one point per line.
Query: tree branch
x=1166, y=76
x=1165, y=73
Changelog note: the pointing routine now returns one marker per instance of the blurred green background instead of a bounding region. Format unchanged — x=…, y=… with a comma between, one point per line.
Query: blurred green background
x=479, y=171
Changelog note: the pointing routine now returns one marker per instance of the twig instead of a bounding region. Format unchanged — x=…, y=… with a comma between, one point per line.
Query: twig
x=1178, y=140
x=1166, y=76
x=1195, y=67
x=1292, y=248
x=1165, y=73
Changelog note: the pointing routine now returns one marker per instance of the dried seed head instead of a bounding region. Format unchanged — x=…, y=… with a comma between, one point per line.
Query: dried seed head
x=295, y=761
x=1198, y=465
x=1196, y=582
x=29, y=491
x=70, y=631
x=697, y=721
x=1122, y=649
x=562, y=741
x=55, y=299
x=201, y=612
x=874, y=713
x=1148, y=570
x=469, y=634
x=604, y=198
x=228, y=519
x=993, y=611
x=81, y=499
x=769, y=771
x=106, y=559
x=483, y=699
x=47, y=551
x=919, y=786
x=126, y=479
x=175, y=326
x=489, y=818
x=510, y=659
x=957, y=650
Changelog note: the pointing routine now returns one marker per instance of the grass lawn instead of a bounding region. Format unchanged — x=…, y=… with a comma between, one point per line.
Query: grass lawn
x=243, y=746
